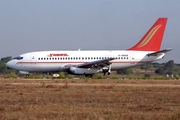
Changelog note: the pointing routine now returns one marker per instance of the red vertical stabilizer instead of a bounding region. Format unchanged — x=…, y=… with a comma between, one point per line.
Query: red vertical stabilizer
x=151, y=41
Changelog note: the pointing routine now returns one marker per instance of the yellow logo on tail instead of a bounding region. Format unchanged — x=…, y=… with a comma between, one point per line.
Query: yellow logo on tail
x=149, y=36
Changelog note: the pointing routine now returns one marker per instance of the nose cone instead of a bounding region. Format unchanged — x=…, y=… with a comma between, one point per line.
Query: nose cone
x=10, y=64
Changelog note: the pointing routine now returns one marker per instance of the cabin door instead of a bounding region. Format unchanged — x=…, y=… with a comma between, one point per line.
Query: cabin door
x=132, y=57
x=33, y=58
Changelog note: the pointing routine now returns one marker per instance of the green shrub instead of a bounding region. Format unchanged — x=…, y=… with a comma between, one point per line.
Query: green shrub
x=62, y=75
x=98, y=76
x=70, y=76
x=13, y=75
x=115, y=77
x=147, y=75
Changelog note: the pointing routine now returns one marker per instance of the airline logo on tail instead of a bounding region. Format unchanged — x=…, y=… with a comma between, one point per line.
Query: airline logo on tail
x=151, y=41
x=149, y=36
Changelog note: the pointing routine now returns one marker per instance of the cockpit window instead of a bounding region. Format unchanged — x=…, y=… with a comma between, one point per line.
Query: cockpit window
x=18, y=58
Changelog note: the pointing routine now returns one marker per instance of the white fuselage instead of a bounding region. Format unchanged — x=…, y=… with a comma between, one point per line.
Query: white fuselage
x=51, y=61
x=90, y=62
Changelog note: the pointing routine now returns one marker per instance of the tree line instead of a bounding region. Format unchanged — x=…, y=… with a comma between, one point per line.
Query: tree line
x=3, y=68
x=168, y=68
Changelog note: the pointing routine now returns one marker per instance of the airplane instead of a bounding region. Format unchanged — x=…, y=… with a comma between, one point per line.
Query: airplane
x=89, y=62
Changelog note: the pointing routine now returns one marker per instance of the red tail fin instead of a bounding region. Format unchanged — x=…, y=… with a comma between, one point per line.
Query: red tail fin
x=151, y=41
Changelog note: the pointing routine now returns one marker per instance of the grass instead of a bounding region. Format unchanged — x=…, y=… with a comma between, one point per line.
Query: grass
x=126, y=100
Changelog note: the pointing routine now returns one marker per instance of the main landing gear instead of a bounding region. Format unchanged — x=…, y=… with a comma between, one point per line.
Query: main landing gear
x=27, y=75
x=108, y=71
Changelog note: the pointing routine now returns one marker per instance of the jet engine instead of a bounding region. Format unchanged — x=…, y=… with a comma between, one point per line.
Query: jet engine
x=82, y=71
x=23, y=72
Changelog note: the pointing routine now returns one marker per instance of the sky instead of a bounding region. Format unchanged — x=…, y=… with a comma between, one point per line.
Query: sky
x=37, y=25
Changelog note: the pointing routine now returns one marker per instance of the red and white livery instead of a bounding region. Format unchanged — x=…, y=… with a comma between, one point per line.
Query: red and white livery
x=89, y=62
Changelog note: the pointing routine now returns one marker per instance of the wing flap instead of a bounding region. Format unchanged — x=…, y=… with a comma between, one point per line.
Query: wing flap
x=96, y=64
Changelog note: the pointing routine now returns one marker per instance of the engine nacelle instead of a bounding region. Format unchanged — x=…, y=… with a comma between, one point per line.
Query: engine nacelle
x=82, y=71
x=23, y=72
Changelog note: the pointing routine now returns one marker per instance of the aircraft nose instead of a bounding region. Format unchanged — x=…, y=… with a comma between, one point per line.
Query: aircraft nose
x=9, y=64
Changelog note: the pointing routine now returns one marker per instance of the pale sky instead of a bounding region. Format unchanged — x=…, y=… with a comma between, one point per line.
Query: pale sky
x=36, y=25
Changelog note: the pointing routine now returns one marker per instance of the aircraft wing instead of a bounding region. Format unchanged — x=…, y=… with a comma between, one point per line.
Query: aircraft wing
x=96, y=64
x=159, y=52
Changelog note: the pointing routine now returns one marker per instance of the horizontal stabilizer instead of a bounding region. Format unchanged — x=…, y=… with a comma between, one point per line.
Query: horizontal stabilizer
x=159, y=52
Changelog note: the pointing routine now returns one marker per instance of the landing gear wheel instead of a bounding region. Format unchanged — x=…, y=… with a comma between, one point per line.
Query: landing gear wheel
x=27, y=75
